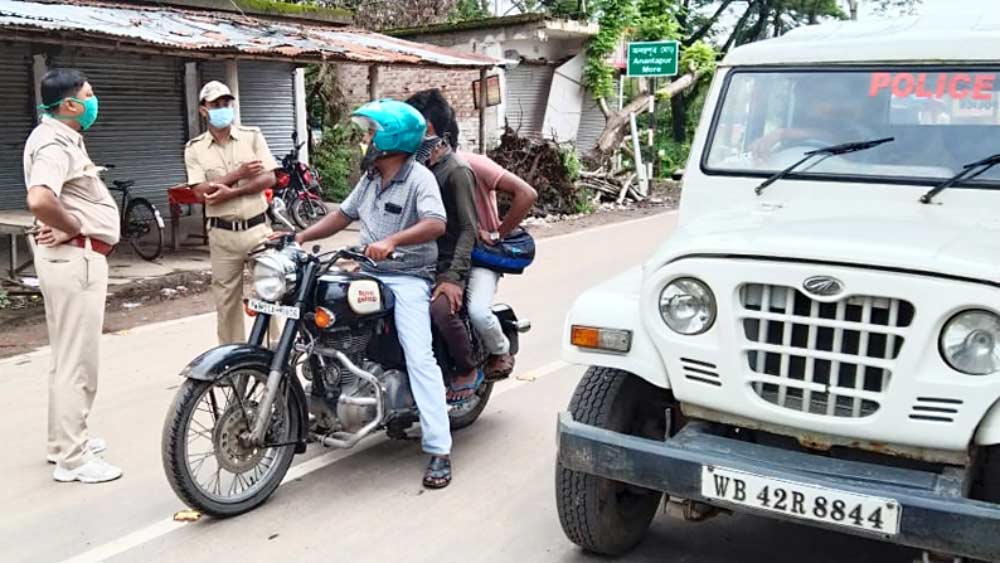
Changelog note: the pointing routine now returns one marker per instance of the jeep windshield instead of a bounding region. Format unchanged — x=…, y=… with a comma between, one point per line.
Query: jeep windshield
x=941, y=118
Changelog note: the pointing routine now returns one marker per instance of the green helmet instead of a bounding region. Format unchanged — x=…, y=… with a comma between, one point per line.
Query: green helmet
x=399, y=127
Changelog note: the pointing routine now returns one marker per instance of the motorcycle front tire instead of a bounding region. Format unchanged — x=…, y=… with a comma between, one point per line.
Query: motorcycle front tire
x=306, y=211
x=175, y=455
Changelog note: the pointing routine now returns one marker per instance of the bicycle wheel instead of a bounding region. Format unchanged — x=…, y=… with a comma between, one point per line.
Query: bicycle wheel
x=143, y=229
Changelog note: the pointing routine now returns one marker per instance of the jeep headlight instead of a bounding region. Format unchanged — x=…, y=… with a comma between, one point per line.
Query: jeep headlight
x=270, y=275
x=687, y=306
x=969, y=342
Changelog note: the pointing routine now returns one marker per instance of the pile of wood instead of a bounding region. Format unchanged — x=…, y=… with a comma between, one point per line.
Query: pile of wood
x=612, y=186
x=540, y=163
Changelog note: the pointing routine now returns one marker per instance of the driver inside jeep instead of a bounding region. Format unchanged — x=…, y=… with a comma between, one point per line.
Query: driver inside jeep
x=399, y=206
x=825, y=113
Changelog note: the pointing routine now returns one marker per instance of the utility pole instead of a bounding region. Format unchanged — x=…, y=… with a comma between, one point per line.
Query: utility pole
x=852, y=6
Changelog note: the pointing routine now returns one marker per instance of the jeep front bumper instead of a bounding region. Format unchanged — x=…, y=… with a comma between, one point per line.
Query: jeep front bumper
x=935, y=516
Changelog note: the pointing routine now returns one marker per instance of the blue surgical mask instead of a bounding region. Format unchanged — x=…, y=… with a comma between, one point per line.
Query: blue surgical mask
x=220, y=118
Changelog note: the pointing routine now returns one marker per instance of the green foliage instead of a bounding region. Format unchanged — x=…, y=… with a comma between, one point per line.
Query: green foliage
x=583, y=203
x=571, y=162
x=617, y=16
x=657, y=21
x=4, y=299
x=293, y=8
x=699, y=58
x=337, y=159
x=467, y=10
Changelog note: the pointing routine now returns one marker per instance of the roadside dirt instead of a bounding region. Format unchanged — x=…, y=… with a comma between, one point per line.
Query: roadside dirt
x=23, y=329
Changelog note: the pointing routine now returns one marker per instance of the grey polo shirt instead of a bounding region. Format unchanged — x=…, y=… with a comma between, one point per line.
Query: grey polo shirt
x=411, y=196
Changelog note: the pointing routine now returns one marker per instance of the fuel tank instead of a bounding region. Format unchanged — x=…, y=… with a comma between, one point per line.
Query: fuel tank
x=353, y=297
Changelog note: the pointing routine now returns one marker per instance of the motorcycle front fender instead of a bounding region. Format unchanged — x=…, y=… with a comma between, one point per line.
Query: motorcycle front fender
x=214, y=363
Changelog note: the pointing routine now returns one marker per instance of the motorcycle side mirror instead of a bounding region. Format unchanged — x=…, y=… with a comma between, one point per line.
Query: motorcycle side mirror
x=316, y=249
x=279, y=209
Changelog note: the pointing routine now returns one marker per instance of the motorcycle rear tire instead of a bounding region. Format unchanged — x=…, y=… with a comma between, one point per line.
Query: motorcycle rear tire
x=174, y=453
x=466, y=419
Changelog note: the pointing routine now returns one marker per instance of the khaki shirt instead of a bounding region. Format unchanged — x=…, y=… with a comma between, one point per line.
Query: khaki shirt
x=55, y=157
x=207, y=161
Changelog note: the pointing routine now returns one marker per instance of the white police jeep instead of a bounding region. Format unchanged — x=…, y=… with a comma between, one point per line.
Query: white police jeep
x=819, y=341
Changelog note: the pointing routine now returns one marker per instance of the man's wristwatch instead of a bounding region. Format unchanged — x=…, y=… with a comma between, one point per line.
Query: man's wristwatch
x=494, y=236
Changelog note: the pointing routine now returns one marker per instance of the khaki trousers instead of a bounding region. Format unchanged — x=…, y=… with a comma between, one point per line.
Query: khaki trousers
x=228, y=251
x=74, y=283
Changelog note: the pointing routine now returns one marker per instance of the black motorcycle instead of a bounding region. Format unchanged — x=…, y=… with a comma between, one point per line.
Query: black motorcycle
x=298, y=186
x=243, y=412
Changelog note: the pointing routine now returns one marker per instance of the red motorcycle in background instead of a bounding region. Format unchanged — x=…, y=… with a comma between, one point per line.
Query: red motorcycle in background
x=298, y=186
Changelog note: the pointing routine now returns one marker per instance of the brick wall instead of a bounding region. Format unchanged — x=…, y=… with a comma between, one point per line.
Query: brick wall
x=402, y=82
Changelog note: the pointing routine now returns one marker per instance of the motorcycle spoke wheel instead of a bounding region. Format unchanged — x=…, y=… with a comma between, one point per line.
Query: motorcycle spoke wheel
x=222, y=463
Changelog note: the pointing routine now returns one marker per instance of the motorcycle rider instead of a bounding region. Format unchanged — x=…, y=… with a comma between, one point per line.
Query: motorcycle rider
x=457, y=184
x=399, y=206
x=490, y=178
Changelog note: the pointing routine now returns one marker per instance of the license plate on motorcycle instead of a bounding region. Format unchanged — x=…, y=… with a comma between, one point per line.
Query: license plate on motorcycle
x=272, y=309
x=797, y=500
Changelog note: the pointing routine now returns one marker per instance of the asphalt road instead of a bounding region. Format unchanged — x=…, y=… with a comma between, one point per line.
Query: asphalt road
x=365, y=504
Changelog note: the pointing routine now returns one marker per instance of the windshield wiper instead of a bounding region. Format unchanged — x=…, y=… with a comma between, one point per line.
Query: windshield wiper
x=826, y=151
x=969, y=171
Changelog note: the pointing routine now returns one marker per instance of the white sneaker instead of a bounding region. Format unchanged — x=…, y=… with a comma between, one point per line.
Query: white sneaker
x=95, y=471
x=96, y=446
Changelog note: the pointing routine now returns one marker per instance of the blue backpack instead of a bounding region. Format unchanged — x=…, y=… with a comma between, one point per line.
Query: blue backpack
x=509, y=256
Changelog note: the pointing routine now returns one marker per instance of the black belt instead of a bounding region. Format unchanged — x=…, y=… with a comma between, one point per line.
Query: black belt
x=241, y=225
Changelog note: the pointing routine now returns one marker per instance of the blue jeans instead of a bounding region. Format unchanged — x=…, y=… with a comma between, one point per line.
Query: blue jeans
x=413, y=324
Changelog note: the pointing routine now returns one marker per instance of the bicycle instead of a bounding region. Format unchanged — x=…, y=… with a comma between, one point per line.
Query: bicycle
x=141, y=223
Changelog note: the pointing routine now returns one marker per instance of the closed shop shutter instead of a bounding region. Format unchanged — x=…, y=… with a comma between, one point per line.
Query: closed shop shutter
x=17, y=101
x=592, y=121
x=141, y=127
x=527, y=97
x=267, y=99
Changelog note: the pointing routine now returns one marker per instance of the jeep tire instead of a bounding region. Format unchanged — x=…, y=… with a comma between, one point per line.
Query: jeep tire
x=598, y=514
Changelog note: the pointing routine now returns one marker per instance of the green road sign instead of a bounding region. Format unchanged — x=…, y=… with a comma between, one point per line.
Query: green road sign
x=653, y=58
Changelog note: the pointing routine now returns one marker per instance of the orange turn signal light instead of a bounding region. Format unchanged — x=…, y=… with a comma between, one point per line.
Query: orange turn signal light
x=584, y=336
x=610, y=339
x=250, y=312
x=324, y=318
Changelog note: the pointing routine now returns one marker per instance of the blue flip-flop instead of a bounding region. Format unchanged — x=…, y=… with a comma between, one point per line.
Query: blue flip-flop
x=480, y=377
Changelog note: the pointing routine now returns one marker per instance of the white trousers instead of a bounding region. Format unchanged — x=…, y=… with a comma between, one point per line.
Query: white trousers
x=481, y=290
x=413, y=324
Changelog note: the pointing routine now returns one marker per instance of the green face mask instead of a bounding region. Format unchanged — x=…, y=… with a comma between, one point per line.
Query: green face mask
x=86, y=119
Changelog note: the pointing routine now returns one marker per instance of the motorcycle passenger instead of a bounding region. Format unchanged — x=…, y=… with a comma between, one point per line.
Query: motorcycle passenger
x=399, y=206
x=457, y=184
x=490, y=178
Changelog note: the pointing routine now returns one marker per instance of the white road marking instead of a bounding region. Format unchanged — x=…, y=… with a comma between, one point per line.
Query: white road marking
x=114, y=548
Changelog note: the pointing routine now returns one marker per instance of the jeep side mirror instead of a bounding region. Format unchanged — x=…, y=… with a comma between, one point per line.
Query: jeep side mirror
x=677, y=175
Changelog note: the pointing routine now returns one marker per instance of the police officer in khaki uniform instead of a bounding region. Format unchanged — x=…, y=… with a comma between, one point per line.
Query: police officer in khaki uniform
x=230, y=166
x=76, y=228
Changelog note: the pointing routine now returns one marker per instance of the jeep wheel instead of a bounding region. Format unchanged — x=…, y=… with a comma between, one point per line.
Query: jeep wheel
x=598, y=514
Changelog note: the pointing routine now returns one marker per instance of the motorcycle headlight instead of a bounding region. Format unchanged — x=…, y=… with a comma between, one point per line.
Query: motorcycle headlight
x=270, y=275
x=687, y=306
x=969, y=342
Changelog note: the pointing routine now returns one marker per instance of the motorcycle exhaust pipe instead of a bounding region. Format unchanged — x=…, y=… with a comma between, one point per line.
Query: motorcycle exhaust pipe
x=346, y=440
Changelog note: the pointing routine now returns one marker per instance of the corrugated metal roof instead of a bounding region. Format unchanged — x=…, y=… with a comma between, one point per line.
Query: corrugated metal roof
x=206, y=33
